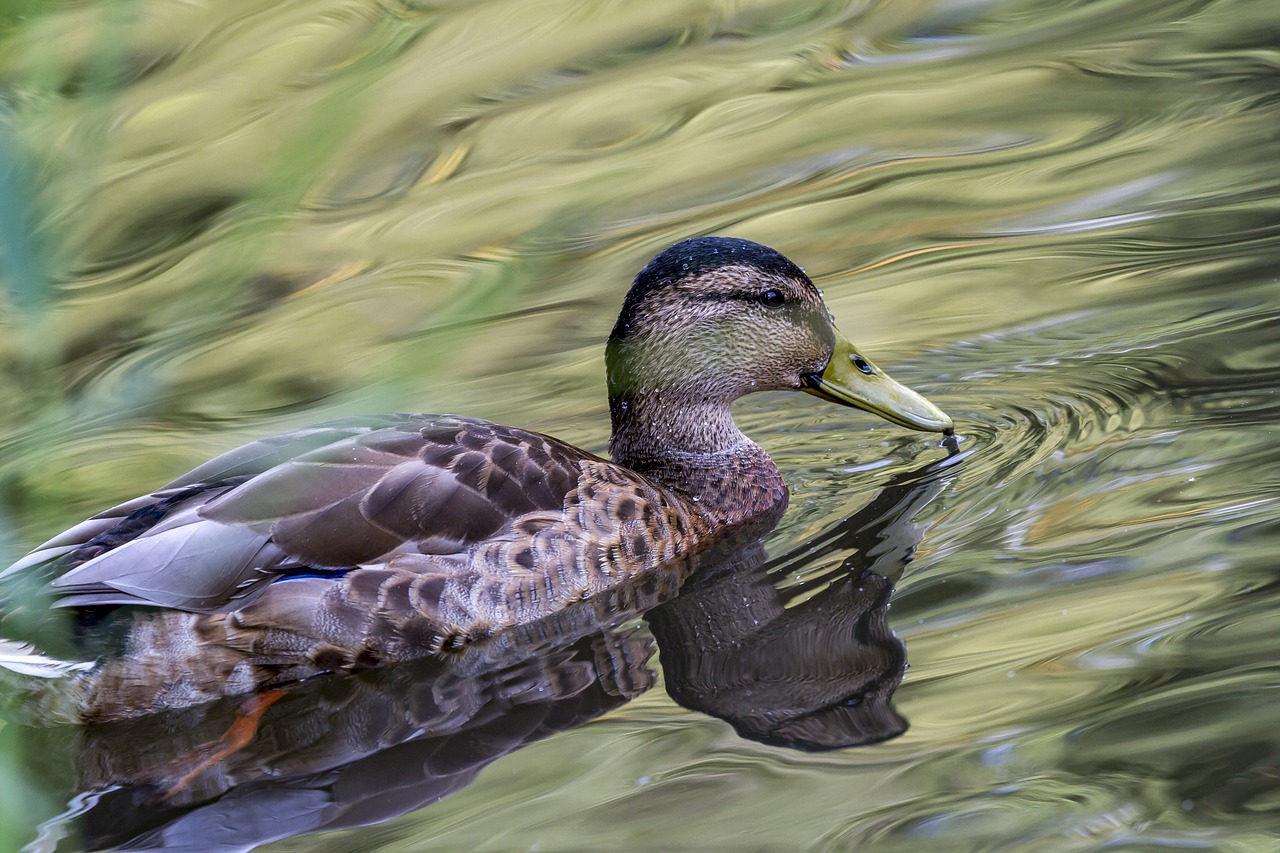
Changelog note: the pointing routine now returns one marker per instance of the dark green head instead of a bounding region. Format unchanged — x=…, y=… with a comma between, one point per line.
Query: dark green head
x=713, y=318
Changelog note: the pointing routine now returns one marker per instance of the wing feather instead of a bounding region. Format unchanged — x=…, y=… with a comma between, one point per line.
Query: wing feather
x=330, y=497
x=193, y=567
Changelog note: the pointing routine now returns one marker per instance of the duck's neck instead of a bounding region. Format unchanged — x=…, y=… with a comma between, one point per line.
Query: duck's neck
x=690, y=443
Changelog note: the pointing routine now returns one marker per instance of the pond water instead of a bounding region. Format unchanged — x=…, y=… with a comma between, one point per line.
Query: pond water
x=1059, y=221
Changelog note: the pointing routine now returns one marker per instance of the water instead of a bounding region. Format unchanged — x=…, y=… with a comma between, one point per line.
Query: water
x=1059, y=221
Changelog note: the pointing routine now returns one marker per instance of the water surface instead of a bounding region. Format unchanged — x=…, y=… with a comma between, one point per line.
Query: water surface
x=1058, y=221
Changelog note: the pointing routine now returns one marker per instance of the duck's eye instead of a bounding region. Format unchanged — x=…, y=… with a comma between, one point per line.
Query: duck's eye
x=772, y=299
x=862, y=364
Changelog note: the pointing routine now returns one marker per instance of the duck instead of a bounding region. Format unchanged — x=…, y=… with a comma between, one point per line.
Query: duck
x=360, y=542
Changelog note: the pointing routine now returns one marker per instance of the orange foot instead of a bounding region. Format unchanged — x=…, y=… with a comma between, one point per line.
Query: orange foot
x=235, y=738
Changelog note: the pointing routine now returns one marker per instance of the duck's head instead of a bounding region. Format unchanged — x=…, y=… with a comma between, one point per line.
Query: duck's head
x=713, y=318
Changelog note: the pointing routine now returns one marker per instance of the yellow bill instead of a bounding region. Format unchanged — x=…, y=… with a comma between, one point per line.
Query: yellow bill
x=852, y=380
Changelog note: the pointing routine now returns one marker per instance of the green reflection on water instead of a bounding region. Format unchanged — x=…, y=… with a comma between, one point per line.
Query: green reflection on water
x=1057, y=221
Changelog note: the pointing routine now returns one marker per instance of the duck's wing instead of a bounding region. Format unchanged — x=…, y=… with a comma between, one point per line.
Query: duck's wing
x=233, y=466
x=321, y=500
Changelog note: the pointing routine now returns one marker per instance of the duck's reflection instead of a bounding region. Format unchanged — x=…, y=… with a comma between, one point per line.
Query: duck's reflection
x=812, y=664
x=805, y=663
x=818, y=675
x=350, y=751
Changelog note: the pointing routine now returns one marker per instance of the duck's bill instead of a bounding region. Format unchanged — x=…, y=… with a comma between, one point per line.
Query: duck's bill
x=852, y=380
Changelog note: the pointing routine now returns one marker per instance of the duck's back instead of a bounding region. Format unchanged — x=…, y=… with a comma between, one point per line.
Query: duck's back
x=354, y=543
x=325, y=499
